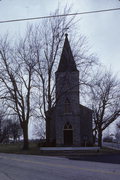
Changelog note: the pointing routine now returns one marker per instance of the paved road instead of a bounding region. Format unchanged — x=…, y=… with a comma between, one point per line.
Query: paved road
x=27, y=167
x=112, y=145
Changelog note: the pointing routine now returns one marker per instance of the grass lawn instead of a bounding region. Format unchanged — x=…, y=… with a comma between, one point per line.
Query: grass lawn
x=16, y=148
x=34, y=150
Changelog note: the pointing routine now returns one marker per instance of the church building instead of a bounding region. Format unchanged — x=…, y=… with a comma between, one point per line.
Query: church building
x=70, y=123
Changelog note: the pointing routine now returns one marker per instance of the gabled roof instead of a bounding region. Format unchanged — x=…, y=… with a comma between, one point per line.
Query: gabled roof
x=85, y=108
x=67, y=62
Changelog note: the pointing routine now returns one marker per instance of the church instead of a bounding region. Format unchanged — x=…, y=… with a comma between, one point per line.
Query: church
x=70, y=123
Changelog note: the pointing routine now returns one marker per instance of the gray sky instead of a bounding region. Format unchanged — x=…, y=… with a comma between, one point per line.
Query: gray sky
x=102, y=29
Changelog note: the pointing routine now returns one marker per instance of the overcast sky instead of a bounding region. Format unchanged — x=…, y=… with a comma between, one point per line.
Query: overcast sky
x=102, y=29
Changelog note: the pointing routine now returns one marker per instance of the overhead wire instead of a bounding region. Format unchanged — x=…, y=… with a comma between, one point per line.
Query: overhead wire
x=59, y=15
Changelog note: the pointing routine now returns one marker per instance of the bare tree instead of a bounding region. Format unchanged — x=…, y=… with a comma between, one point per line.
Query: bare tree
x=15, y=130
x=1, y=119
x=39, y=128
x=117, y=135
x=105, y=102
x=3, y=132
x=10, y=130
x=16, y=80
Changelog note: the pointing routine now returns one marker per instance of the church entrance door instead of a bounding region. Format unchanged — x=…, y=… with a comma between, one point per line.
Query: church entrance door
x=68, y=134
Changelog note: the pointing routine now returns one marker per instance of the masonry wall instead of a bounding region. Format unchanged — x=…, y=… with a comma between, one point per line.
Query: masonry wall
x=86, y=126
x=67, y=87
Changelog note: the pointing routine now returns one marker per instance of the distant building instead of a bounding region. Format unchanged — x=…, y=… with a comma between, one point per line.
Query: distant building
x=70, y=123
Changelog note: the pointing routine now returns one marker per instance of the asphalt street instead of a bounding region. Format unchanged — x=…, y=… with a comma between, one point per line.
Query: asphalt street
x=29, y=167
x=112, y=145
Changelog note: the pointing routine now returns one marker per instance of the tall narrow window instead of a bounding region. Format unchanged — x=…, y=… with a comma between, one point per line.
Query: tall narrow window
x=67, y=107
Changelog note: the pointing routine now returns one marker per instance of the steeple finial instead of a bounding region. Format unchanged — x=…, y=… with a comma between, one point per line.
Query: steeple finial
x=66, y=35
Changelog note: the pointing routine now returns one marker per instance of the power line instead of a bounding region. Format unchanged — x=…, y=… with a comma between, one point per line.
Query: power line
x=60, y=15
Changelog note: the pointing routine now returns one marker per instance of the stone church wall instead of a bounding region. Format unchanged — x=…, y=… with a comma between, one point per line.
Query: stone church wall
x=86, y=125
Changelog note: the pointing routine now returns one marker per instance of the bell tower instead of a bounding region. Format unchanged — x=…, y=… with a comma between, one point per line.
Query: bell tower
x=67, y=98
x=67, y=76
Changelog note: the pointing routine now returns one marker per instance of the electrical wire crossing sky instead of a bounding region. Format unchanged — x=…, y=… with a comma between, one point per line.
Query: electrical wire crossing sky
x=55, y=16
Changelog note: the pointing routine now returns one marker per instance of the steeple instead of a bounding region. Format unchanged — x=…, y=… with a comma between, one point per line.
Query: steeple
x=67, y=62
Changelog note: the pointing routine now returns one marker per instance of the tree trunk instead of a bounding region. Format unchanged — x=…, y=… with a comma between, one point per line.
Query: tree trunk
x=100, y=138
x=47, y=130
x=25, y=136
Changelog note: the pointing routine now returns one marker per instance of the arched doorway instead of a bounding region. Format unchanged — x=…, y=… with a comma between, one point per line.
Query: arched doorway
x=68, y=134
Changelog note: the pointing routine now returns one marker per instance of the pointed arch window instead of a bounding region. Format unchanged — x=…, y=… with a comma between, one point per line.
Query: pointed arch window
x=68, y=126
x=67, y=107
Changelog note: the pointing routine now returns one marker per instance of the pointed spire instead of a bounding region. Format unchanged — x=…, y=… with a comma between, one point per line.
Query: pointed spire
x=67, y=62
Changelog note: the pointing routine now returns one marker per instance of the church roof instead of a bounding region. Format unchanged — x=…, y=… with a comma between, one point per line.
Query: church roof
x=84, y=108
x=67, y=62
